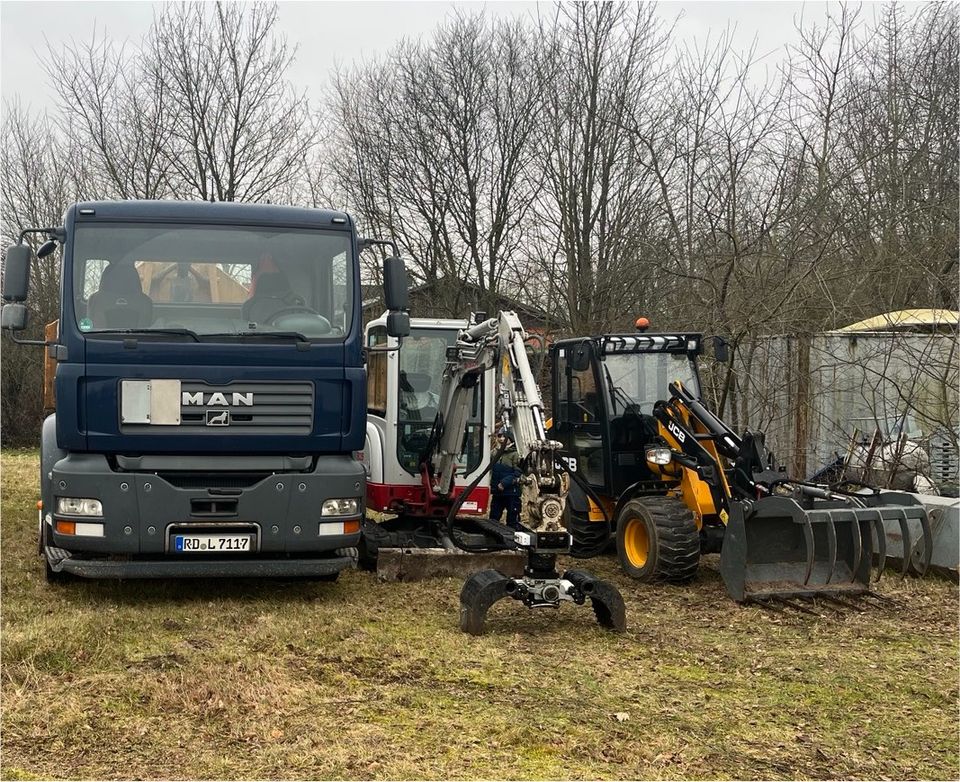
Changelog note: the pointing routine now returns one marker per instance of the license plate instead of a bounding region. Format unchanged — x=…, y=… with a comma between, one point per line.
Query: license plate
x=206, y=542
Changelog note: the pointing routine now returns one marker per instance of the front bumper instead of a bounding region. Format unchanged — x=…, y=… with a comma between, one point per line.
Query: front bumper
x=142, y=508
x=182, y=568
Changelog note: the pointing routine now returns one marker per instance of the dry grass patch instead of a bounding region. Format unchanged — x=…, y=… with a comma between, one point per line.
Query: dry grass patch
x=361, y=680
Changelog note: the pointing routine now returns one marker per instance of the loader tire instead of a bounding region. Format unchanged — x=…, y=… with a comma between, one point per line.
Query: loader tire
x=658, y=540
x=590, y=538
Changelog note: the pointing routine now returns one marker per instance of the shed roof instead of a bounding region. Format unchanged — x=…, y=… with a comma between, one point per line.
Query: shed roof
x=906, y=320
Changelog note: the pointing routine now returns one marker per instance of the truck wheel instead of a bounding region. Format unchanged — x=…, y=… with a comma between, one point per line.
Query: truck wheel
x=658, y=540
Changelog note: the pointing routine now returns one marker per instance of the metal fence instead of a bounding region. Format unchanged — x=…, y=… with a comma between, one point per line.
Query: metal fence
x=815, y=395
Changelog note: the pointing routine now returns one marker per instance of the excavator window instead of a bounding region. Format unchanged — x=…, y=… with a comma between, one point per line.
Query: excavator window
x=420, y=378
x=377, y=371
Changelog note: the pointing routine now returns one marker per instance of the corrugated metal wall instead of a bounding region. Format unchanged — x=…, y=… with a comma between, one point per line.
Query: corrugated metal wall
x=811, y=393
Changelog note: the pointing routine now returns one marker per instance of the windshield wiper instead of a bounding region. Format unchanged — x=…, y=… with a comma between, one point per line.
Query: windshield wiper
x=626, y=399
x=272, y=334
x=148, y=332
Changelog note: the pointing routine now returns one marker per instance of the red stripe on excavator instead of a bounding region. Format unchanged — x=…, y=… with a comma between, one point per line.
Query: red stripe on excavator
x=393, y=497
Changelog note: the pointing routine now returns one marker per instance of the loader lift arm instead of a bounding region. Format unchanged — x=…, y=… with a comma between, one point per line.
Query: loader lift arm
x=786, y=538
x=498, y=344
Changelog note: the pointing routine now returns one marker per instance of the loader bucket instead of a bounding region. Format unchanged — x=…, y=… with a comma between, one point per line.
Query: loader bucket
x=775, y=548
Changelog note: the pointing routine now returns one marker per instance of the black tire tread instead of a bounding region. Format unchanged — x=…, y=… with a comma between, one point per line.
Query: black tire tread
x=678, y=539
x=589, y=537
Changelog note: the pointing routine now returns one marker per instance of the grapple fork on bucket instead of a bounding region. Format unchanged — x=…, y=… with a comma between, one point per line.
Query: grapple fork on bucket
x=817, y=544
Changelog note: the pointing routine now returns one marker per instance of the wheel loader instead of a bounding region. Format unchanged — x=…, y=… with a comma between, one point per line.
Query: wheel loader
x=669, y=481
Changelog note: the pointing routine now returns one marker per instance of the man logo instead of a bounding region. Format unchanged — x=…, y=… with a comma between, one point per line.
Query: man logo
x=218, y=418
x=217, y=399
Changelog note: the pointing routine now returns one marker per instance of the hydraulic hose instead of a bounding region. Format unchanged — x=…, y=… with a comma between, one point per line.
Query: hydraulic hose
x=461, y=498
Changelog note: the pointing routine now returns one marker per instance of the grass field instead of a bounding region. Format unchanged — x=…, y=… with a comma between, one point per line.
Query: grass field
x=363, y=680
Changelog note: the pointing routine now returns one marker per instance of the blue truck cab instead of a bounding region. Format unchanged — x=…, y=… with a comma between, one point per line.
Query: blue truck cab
x=210, y=391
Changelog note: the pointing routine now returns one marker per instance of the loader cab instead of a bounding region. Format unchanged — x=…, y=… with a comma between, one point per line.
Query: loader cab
x=604, y=391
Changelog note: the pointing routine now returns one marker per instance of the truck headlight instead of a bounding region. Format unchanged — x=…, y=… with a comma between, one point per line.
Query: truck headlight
x=75, y=506
x=659, y=456
x=347, y=506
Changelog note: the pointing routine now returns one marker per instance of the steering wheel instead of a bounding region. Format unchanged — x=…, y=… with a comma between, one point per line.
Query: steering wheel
x=300, y=309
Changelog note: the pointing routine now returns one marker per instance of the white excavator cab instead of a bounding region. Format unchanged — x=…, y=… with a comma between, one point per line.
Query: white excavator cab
x=403, y=394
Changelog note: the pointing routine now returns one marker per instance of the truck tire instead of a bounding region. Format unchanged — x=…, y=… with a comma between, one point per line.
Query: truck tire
x=658, y=540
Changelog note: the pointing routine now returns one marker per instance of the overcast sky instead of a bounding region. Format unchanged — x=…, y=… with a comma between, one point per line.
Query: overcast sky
x=331, y=33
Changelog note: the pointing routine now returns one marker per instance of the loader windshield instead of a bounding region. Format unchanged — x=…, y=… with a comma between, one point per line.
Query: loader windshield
x=636, y=381
x=215, y=283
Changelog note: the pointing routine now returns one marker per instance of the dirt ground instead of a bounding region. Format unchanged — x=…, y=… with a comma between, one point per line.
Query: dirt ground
x=364, y=680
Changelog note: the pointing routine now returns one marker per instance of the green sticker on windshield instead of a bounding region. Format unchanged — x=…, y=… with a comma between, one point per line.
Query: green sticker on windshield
x=86, y=324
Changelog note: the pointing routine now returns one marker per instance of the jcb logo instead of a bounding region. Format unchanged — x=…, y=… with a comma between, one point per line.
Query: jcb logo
x=677, y=432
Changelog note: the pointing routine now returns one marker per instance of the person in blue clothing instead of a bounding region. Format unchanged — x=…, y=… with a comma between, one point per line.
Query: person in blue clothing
x=505, y=483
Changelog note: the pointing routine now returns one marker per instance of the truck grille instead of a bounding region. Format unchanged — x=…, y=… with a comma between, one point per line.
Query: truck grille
x=277, y=408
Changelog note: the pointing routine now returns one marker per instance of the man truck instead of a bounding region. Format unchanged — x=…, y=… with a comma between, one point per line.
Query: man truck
x=210, y=389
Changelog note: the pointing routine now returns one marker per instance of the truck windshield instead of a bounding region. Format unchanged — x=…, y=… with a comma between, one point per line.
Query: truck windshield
x=641, y=379
x=422, y=361
x=225, y=281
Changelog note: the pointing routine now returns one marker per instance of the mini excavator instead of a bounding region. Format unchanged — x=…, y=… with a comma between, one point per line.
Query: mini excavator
x=447, y=442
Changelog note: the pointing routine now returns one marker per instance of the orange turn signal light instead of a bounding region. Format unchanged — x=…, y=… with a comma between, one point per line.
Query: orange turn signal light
x=349, y=527
x=66, y=527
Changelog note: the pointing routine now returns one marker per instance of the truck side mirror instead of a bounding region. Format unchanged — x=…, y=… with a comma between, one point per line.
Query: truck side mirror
x=13, y=317
x=46, y=248
x=16, y=273
x=395, y=292
x=398, y=324
x=721, y=351
x=396, y=295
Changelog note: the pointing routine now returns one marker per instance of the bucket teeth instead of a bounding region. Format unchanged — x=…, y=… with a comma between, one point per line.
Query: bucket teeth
x=927, y=544
x=831, y=546
x=907, y=541
x=881, y=545
x=811, y=550
x=857, y=548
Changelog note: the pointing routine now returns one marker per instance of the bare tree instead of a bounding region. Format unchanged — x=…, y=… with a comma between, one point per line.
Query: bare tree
x=238, y=128
x=600, y=64
x=110, y=101
x=41, y=173
x=438, y=148
x=202, y=109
